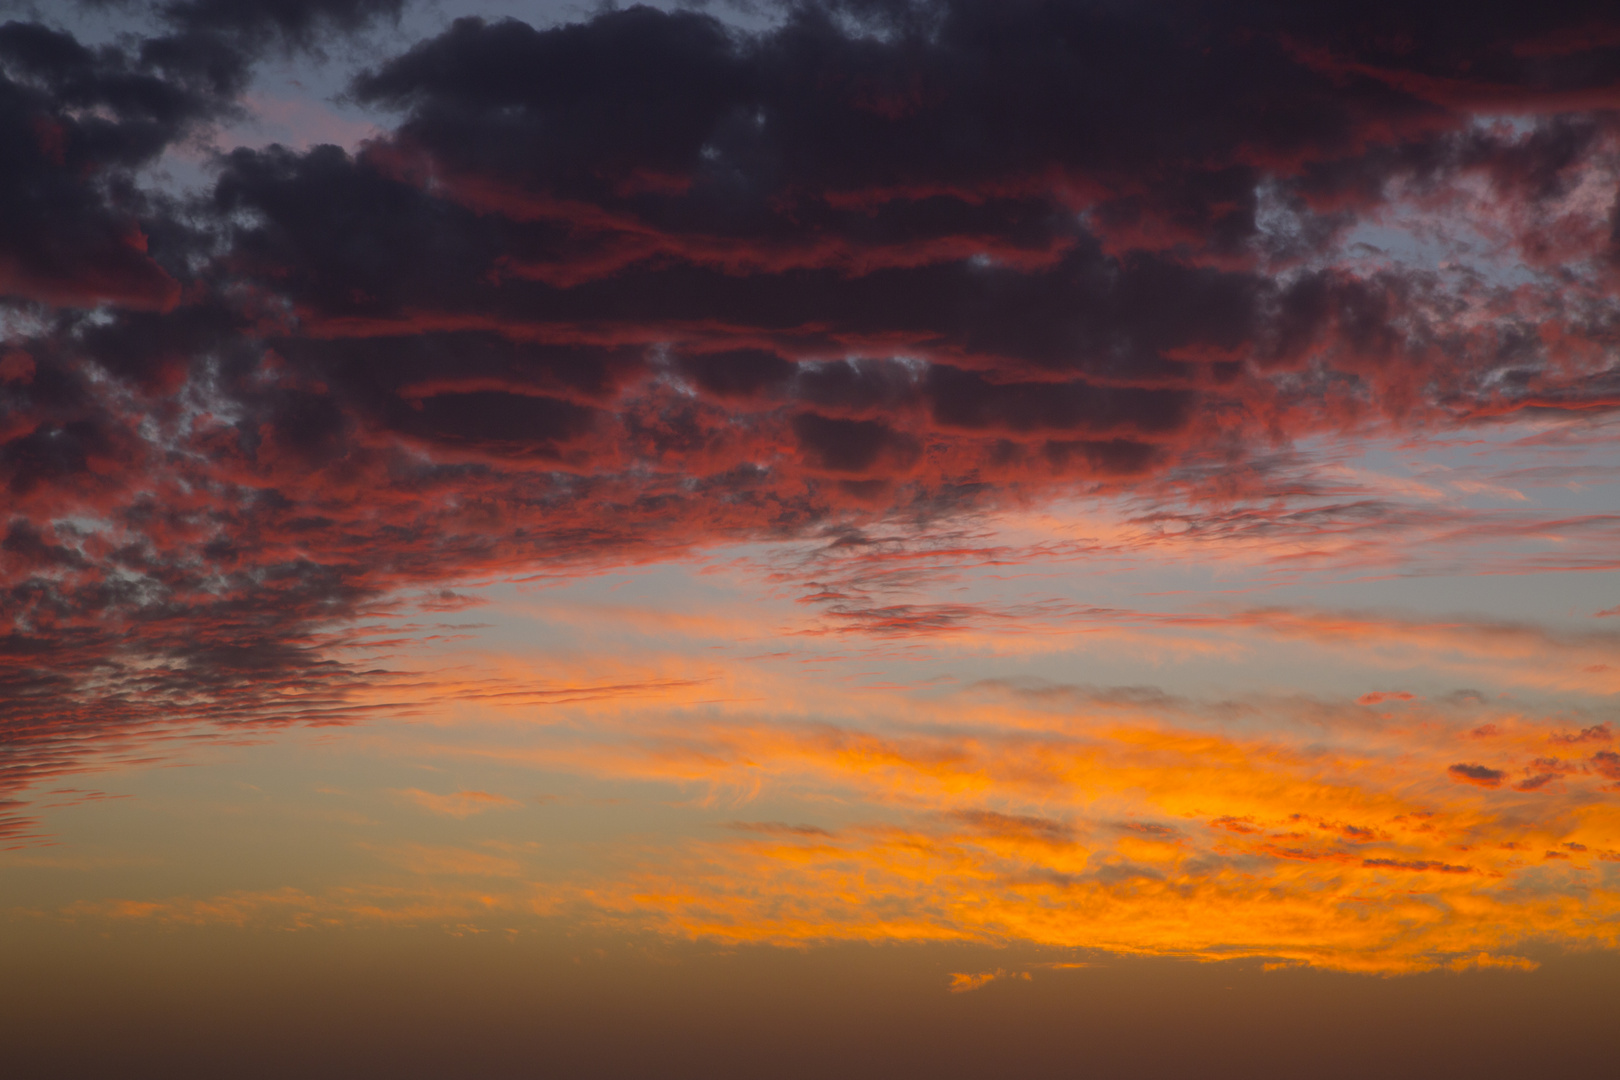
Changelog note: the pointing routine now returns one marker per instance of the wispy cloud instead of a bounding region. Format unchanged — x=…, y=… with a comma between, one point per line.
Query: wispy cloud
x=460, y=804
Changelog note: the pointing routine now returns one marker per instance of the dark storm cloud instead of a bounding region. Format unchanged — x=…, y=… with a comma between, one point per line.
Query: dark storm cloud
x=643, y=282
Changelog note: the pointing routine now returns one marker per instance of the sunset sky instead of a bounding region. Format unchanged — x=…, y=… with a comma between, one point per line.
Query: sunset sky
x=832, y=538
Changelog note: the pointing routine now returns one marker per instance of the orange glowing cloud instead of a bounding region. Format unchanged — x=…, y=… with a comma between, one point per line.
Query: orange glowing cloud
x=962, y=982
x=1132, y=823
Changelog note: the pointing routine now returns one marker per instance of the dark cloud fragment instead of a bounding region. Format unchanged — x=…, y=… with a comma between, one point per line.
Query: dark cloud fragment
x=1482, y=775
x=1425, y=865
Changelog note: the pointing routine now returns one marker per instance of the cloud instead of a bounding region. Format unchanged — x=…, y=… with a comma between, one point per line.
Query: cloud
x=460, y=804
x=962, y=982
x=1127, y=820
x=449, y=600
x=1378, y=697
x=778, y=828
x=1422, y=866
x=1607, y=763
x=1477, y=774
x=300, y=22
x=1017, y=827
x=641, y=285
x=1597, y=733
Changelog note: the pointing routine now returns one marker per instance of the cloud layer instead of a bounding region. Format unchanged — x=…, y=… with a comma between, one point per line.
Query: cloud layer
x=644, y=284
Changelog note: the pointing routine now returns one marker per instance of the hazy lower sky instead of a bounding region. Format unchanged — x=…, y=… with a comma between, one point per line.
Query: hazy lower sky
x=869, y=538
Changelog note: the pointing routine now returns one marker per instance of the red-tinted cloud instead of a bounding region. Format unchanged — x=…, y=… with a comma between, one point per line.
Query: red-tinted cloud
x=639, y=284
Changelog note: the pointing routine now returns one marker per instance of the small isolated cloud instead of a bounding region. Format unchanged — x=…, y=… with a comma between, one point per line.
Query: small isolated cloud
x=1378, y=697
x=461, y=804
x=962, y=981
x=1477, y=774
x=449, y=600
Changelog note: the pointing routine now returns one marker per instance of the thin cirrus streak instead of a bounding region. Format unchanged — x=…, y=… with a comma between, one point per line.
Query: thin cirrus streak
x=916, y=369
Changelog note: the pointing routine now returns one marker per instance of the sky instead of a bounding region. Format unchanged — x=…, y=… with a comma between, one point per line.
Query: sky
x=860, y=537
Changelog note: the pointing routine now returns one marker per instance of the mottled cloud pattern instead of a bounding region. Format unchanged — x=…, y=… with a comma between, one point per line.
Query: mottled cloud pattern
x=644, y=283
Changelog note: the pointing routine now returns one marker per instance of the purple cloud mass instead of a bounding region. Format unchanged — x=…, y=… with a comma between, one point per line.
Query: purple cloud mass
x=645, y=282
